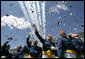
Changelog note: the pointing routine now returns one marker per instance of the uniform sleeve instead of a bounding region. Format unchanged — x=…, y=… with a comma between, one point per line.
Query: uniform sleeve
x=39, y=37
x=60, y=48
x=27, y=41
x=78, y=45
x=80, y=42
x=6, y=42
x=4, y=46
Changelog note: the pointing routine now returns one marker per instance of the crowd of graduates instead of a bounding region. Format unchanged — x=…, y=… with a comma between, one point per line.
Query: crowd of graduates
x=70, y=46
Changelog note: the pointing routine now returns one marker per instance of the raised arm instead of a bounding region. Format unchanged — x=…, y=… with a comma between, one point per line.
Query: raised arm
x=37, y=34
x=27, y=41
x=9, y=39
x=4, y=45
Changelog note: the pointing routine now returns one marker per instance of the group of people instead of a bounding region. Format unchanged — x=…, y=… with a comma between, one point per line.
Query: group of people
x=67, y=47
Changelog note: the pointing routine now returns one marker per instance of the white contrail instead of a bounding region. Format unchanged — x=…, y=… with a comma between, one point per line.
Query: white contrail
x=36, y=14
x=26, y=15
x=31, y=8
x=39, y=17
x=31, y=11
x=43, y=18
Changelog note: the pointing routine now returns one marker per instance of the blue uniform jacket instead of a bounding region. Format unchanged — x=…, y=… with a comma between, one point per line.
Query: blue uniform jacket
x=32, y=50
x=46, y=44
x=17, y=54
x=64, y=44
x=78, y=44
x=35, y=51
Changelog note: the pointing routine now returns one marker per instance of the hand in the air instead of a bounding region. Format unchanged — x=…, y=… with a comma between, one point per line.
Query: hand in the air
x=9, y=39
x=35, y=27
x=29, y=34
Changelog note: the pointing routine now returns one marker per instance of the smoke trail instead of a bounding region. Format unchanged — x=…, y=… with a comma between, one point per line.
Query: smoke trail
x=43, y=18
x=32, y=12
x=31, y=7
x=26, y=15
x=39, y=17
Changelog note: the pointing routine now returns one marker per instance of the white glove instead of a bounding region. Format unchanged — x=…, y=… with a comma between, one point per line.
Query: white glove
x=53, y=48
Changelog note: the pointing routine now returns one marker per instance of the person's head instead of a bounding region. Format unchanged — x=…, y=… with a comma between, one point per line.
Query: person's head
x=35, y=42
x=49, y=37
x=19, y=47
x=62, y=33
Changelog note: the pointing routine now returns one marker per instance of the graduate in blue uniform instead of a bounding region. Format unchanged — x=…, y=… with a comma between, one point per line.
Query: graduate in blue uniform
x=17, y=53
x=78, y=44
x=65, y=46
x=33, y=51
x=5, y=49
x=48, y=45
x=25, y=49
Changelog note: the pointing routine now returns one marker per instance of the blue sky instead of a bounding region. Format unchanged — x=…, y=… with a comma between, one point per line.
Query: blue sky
x=70, y=23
